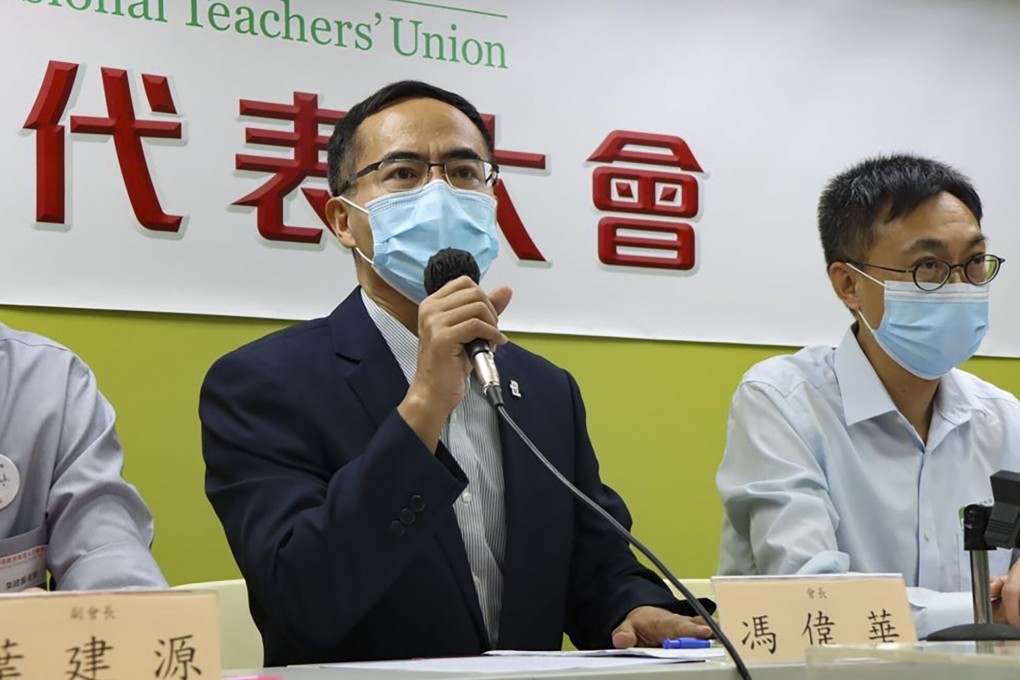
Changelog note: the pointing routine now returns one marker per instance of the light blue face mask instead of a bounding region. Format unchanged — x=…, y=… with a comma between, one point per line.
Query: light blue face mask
x=930, y=333
x=411, y=226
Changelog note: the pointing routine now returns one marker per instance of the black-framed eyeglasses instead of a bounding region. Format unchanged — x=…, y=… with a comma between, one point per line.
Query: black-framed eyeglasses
x=407, y=174
x=931, y=274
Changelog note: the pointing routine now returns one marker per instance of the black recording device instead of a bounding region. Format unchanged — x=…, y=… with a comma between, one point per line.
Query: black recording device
x=1004, y=519
x=987, y=528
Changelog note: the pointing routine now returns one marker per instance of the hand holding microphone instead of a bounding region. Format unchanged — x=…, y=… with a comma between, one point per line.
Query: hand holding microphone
x=450, y=264
x=456, y=312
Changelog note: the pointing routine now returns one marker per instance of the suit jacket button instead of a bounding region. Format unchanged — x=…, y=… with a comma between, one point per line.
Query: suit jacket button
x=406, y=516
x=417, y=503
x=396, y=528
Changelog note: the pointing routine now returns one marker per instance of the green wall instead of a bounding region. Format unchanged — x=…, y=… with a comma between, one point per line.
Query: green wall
x=656, y=412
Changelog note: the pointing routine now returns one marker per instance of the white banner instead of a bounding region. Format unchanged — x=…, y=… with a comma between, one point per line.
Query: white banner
x=161, y=154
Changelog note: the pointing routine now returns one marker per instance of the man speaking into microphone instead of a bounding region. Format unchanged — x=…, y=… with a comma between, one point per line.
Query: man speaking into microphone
x=372, y=499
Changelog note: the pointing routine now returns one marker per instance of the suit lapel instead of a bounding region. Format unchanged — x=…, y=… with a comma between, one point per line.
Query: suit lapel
x=380, y=385
x=524, y=479
x=375, y=378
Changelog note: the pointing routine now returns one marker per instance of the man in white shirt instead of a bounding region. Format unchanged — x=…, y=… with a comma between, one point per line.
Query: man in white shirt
x=859, y=458
x=64, y=507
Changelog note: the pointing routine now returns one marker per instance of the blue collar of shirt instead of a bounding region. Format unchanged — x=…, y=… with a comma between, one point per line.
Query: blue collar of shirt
x=865, y=397
x=955, y=403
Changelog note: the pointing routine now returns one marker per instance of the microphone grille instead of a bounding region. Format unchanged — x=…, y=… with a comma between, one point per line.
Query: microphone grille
x=447, y=265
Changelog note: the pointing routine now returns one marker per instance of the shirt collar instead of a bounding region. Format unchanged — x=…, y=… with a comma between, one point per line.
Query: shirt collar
x=402, y=342
x=954, y=402
x=864, y=396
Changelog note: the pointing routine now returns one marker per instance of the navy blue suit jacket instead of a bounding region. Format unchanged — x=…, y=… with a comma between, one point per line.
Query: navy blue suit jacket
x=342, y=521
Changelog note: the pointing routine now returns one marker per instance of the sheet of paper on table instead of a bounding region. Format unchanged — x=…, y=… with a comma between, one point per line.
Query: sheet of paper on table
x=509, y=661
x=674, y=655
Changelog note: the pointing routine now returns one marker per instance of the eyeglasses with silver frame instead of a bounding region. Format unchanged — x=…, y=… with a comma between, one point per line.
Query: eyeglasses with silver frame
x=407, y=174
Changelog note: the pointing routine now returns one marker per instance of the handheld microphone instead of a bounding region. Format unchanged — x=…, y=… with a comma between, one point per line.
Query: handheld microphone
x=451, y=263
x=443, y=267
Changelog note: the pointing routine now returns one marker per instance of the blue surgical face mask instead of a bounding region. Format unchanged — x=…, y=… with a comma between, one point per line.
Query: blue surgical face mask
x=411, y=226
x=930, y=332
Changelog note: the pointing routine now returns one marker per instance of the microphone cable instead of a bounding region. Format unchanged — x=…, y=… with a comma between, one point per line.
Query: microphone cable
x=495, y=397
x=446, y=265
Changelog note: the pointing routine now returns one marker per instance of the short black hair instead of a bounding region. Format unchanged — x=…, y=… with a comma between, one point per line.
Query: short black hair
x=882, y=188
x=343, y=148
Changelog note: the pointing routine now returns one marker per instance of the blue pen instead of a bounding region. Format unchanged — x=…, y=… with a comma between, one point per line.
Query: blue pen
x=686, y=643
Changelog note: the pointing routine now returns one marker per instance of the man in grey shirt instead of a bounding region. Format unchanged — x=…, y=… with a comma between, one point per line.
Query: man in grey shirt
x=64, y=507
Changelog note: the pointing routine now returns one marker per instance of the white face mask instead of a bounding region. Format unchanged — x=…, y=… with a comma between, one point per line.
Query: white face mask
x=930, y=332
x=411, y=226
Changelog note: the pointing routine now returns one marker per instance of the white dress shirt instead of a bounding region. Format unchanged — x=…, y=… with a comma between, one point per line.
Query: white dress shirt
x=822, y=475
x=471, y=435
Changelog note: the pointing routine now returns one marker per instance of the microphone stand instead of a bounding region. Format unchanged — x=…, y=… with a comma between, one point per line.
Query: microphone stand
x=975, y=523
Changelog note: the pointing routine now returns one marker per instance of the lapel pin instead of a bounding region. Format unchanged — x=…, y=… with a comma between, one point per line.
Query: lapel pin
x=10, y=481
x=515, y=389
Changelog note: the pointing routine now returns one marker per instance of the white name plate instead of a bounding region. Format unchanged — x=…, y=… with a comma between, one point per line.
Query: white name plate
x=119, y=635
x=778, y=617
